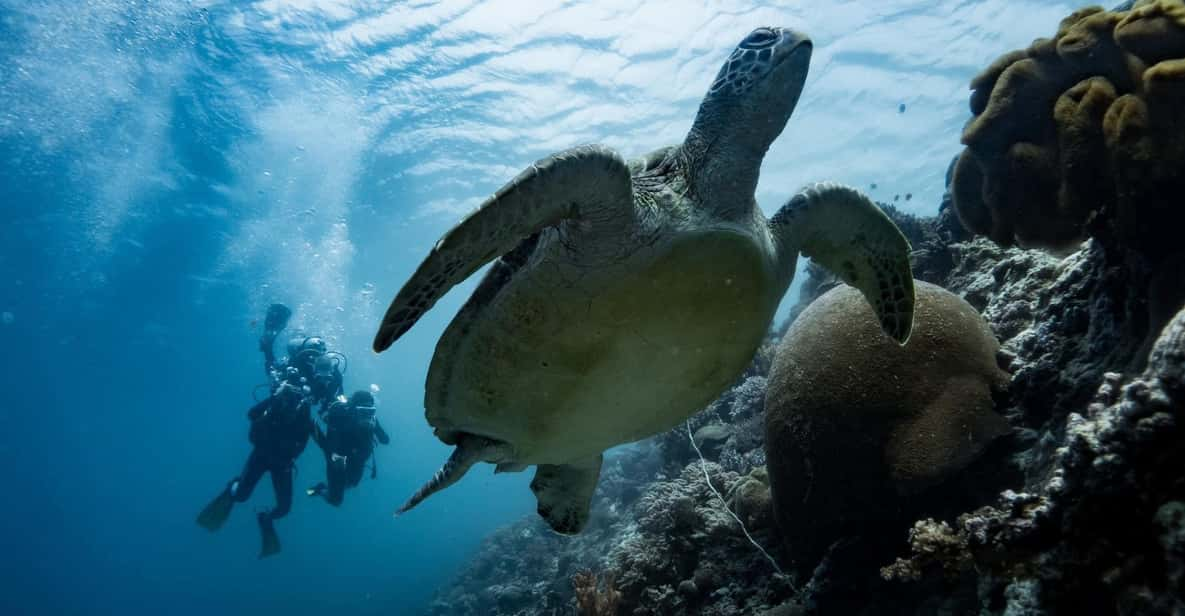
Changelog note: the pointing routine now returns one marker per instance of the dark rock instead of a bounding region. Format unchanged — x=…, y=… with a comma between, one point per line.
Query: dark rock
x=1100, y=532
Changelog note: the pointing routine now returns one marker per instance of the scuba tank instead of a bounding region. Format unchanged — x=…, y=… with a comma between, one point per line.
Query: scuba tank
x=327, y=375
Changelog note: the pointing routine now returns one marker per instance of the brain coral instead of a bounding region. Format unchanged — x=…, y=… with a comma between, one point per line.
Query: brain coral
x=854, y=422
x=1082, y=134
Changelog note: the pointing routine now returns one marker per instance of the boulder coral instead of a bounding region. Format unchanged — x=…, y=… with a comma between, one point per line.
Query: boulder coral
x=1081, y=135
x=855, y=422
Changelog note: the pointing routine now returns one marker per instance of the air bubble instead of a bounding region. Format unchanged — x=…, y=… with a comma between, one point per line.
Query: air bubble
x=374, y=388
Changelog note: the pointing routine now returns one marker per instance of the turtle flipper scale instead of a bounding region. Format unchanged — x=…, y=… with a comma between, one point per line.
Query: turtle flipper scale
x=587, y=182
x=844, y=231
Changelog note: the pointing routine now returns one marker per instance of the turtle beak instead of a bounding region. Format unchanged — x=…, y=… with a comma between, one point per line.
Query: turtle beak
x=794, y=44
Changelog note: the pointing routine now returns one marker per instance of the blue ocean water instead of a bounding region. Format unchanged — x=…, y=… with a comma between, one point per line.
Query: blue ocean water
x=168, y=169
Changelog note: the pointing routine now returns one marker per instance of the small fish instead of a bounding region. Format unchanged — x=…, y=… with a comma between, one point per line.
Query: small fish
x=254, y=323
x=901, y=108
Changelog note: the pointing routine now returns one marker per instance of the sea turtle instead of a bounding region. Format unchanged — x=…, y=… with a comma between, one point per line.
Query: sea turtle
x=628, y=295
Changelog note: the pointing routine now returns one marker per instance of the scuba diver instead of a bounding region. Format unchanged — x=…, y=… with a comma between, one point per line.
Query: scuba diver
x=281, y=424
x=320, y=368
x=348, y=441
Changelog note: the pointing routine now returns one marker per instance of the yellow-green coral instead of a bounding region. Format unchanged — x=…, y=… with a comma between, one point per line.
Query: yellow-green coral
x=983, y=83
x=1088, y=48
x=1082, y=134
x=1154, y=31
x=967, y=193
x=1165, y=85
x=1027, y=84
x=1082, y=150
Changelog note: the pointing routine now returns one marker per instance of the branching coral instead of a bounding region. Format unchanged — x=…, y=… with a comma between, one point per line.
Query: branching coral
x=594, y=598
x=1082, y=135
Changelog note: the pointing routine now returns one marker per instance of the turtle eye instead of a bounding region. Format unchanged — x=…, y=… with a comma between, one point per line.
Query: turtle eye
x=759, y=38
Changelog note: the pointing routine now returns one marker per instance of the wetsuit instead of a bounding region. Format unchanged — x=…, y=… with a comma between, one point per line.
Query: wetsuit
x=280, y=430
x=351, y=437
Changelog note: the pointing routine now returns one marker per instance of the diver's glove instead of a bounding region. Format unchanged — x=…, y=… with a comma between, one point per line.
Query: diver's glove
x=287, y=389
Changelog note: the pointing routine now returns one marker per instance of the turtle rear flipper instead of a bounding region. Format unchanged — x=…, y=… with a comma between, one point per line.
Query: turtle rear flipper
x=591, y=183
x=841, y=229
x=470, y=450
x=565, y=491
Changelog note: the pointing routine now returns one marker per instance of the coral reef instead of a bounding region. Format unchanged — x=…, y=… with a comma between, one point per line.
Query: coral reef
x=856, y=425
x=1082, y=135
x=733, y=421
x=671, y=549
x=1079, y=509
x=594, y=597
x=996, y=538
x=1103, y=533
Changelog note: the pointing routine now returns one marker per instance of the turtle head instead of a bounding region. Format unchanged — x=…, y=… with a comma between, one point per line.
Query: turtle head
x=750, y=101
x=755, y=91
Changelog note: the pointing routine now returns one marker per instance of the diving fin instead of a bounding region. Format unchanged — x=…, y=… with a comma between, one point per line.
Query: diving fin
x=277, y=318
x=267, y=530
x=215, y=514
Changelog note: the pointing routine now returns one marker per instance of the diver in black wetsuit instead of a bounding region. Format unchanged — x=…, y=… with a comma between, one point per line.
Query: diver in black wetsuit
x=351, y=431
x=280, y=429
x=320, y=369
x=281, y=426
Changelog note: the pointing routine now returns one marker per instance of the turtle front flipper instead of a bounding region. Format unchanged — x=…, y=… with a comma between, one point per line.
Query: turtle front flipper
x=841, y=229
x=590, y=183
x=565, y=492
